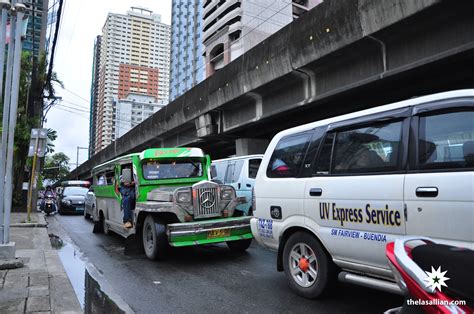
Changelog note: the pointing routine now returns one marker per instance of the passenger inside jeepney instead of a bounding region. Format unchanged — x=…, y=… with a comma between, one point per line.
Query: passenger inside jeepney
x=127, y=190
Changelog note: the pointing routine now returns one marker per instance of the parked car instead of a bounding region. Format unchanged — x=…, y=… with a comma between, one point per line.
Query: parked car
x=239, y=172
x=331, y=194
x=89, y=205
x=72, y=199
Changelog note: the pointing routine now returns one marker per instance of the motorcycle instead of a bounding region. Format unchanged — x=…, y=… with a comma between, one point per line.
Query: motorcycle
x=49, y=205
x=435, y=278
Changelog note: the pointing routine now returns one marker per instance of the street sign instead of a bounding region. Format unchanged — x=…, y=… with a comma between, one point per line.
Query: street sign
x=39, y=139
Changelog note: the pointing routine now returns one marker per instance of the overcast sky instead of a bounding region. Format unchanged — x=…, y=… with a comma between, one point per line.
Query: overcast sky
x=82, y=22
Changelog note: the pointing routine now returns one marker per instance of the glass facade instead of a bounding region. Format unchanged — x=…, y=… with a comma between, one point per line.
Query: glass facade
x=187, y=65
x=36, y=29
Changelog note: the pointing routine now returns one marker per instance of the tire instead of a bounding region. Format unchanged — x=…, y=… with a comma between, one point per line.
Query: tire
x=86, y=215
x=155, y=241
x=239, y=245
x=105, y=228
x=308, y=267
x=98, y=226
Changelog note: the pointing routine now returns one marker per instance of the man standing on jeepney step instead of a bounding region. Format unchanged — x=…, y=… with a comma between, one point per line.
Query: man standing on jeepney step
x=127, y=190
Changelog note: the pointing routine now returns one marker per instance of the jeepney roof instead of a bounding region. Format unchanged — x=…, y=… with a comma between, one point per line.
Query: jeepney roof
x=174, y=152
x=153, y=153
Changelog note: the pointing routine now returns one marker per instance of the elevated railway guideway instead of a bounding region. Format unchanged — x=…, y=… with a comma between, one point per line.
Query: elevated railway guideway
x=342, y=56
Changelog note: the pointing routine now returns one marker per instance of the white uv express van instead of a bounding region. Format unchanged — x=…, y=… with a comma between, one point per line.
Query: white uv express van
x=240, y=172
x=330, y=195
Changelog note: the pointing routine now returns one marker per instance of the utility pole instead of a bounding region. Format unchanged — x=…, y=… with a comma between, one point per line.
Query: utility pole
x=10, y=104
x=5, y=6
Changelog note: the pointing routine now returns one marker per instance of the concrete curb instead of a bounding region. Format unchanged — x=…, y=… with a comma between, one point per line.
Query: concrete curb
x=29, y=225
x=11, y=263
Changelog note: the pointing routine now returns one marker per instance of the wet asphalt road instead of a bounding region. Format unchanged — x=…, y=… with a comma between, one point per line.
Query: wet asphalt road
x=207, y=279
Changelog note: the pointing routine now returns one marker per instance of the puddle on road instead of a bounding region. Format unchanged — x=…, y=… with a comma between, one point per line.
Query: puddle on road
x=91, y=296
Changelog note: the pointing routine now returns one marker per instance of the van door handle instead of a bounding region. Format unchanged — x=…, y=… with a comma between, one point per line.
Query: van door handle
x=238, y=186
x=248, y=185
x=427, y=192
x=315, y=192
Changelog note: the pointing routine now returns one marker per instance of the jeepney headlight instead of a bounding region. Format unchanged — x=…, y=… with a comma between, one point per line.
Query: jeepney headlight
x=227, y=193
x=183, y=196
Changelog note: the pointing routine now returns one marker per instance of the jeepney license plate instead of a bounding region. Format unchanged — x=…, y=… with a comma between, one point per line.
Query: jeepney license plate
x=218, y=233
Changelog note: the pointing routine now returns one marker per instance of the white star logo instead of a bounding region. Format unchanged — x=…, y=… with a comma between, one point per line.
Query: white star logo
x=436, y=278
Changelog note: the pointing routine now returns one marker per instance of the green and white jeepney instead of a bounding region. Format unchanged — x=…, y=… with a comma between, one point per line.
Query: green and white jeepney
x=176, y=203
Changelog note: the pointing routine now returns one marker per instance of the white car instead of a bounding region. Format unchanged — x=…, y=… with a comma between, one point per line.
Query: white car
x=89, y=206
x=330, y=195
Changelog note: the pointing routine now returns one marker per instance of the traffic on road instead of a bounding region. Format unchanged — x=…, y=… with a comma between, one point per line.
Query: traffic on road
x=329, y=198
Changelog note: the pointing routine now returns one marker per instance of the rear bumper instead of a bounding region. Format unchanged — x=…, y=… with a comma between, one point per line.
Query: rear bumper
x=72, y=208
x=197, y=233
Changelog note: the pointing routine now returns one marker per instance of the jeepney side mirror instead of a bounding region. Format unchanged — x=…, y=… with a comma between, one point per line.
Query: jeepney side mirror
x=126, y=175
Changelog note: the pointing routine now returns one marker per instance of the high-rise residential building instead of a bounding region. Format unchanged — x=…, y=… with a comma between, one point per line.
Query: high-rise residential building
x=133, y=110
x=134, y=58
x=37, y=15
x=187, y=62
x=230, y=28
x=94, y=95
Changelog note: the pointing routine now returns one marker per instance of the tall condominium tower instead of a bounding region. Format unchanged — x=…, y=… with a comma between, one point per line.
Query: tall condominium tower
x=94, y=96
x=231, y=28
x=133, y=58
x=187, y=62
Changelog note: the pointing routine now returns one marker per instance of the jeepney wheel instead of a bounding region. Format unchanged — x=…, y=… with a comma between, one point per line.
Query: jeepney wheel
x=105, y=228
x=308, y=267
x=239, y=245
x=155, y=241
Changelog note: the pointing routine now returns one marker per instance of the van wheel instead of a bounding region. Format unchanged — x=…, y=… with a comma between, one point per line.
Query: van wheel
x=307, y=265
x=155, y=241
x=239, y=245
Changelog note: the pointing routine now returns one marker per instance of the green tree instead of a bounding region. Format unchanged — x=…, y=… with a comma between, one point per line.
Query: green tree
x=34, y=89
x=56, y=167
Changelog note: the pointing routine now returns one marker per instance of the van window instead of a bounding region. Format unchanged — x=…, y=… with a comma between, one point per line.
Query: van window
x=253, y=167
x=373, y=148
x=324, y=161
x=446, y=140
x=288, y=156
x=220, y=168
x=233, y=171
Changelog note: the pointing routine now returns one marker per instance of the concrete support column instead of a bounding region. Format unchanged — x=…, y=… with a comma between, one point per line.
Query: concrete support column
x=250, y=146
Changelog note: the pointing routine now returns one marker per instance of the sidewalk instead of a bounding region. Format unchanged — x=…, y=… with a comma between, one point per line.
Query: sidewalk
x=42, y=284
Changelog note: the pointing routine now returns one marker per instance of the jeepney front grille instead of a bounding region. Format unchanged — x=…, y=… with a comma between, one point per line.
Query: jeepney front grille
x=207, y=203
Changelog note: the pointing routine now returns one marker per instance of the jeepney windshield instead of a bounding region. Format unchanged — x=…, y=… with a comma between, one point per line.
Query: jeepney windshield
x=172, y=169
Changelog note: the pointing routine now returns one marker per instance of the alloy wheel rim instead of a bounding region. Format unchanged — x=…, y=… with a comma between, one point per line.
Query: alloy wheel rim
x=303, y=264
